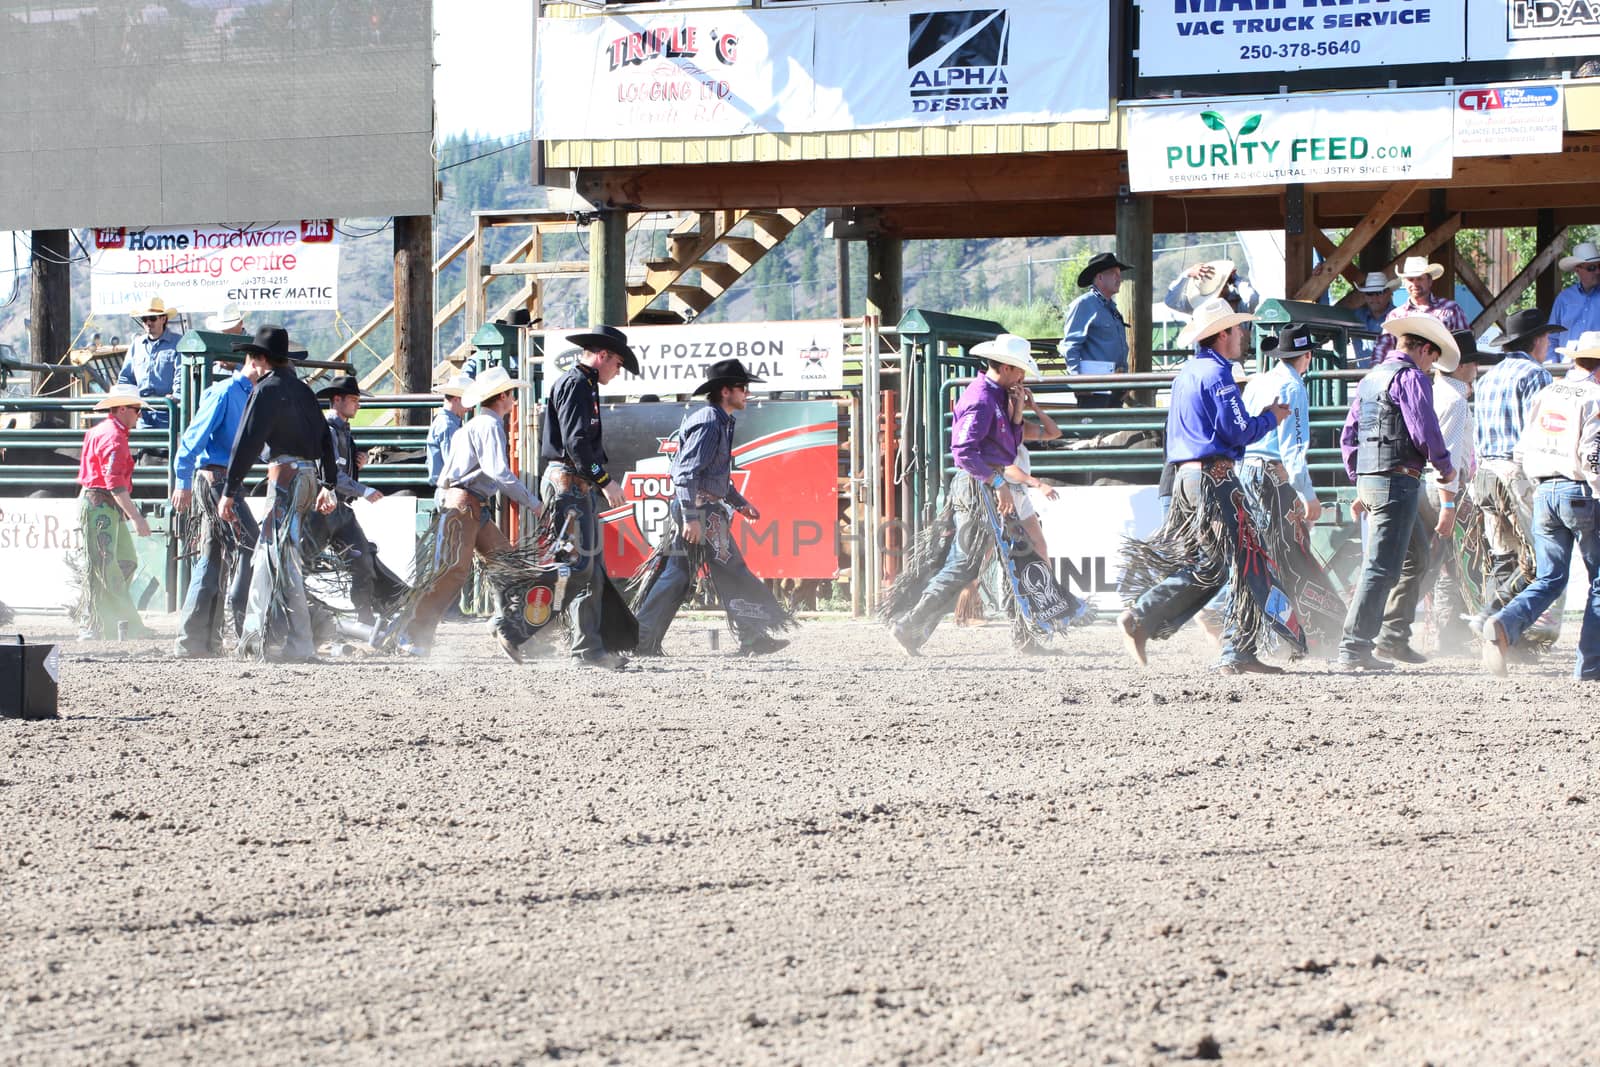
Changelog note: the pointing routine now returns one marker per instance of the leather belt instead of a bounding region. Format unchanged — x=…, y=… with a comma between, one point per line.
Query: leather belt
x=284, y=470
x=566, y=483
x=1407, y=471
x=460, y=496
x=99, y=496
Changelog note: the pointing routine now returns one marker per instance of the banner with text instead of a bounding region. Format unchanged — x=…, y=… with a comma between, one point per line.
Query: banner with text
x=1084, y=528
x=1508, y=120
x=291, y=266
x=1356, y=137
x=836, y=67
x=673, y=360
x=1179, y=38
x=1532, y=29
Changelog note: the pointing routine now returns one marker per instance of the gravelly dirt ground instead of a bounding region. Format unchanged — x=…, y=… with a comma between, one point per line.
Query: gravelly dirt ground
x=836, y=855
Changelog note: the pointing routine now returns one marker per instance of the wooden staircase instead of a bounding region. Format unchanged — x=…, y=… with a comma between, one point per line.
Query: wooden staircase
x=707, y=252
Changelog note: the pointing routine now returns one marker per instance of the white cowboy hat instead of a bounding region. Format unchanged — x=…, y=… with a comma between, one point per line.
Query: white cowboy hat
x=1197, y=290
x=155, y=307
x=1417, y=266
x=1009, y=349
x=1429, y=329
x=1377, y=282
x=1212, y=317
x=226, y=319
x=457, y=385
x=1586, y=346
x=490, y=384
x=1584, y=253
x=120, y=396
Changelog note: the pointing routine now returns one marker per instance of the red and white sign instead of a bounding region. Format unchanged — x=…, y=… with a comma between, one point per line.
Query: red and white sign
x=1508, y=120
x=292, y=266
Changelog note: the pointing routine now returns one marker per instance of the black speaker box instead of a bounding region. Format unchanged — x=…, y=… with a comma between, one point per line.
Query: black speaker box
x=28, y=679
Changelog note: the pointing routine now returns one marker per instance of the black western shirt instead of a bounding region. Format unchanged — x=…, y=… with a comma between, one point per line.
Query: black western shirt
x=283, y=416
x=571, y=430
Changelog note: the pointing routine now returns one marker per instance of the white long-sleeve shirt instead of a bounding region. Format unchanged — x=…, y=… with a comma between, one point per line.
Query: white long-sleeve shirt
x=479, y=462
x=1455, y=426
x=1561, y=438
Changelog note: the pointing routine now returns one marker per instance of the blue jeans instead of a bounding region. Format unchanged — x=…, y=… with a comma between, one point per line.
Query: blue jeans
x=1166, y=607
x=960, y=565
x=201, y=627
x=1391, y=501
x=1563, y=516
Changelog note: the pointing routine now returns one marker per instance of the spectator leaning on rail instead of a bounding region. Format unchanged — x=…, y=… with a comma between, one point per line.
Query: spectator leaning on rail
x=1419, y=275
x=203, y=454
x=1377, y=300
x=1390, y=435
x=1577, y=307
x=152, y=362
x=1560, y=451
x=1096, y=333
x=106, y=473
x=1503, y=495
x=446, y=421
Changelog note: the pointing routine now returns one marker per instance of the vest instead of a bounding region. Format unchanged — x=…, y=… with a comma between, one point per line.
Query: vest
x=1384, y=442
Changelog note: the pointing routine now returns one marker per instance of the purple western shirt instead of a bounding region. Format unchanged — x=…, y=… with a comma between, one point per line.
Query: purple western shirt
x=1413, y=391
x=984, y=436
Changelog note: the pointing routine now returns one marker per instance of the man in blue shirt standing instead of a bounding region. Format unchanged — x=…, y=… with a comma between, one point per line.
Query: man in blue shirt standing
x=1577, y=307
x=1377, y=300
x=1208, y=542
x=152, y=362
x=203, y=453
x=446, y=421
x=1095, y=330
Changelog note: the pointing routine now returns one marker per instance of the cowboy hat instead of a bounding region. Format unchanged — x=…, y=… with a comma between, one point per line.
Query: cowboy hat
x=269, y=341
x=156, y=306
x=1586, y=347
x=1417, y=266
x=1584, y=253
x=120, y=396
x=726, y=372
x=1293, y=342
x=607, y=339
x=344, y=385
x=1198, y=290
x=1431, y=330
x=1376, y=282
x=490, y=384
x=226, y=319
x=1467, y=345
x=1009, y=349
x=457, y=385
x=1211, y=317
x=1101, y=261
x=1524, y=326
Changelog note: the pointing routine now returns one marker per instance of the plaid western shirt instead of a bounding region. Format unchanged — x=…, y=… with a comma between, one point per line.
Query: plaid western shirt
x=1505, y=395
x=1447, y=312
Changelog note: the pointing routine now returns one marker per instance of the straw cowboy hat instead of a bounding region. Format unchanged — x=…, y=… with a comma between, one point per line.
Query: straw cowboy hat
x=1429, y=329
x=490, y=384
x=1101, y=261
x=456, y=386
x=607, y=339
x=1009, y=349
x=1417, y=266
x=1212, y=317
x=1197, y=290
x=1377, y=282
x=120, y=396
x=226, y=319
x=156, y=306
x=1586, y=347
x=726, y=372
x=1584, y=253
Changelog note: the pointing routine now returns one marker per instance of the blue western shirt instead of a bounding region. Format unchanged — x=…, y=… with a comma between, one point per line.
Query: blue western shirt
x=1208, y=417
x=1288, y=441
x=1577, y=310
x=443, y=427
x=1503, y=397
x=703, y=464
x=152, y=365
x=1095, y=330
x=208, y=441
x=1366, y=349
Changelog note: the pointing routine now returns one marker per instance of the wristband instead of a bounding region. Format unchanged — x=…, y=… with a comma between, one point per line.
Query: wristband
x=1448, y=505
x=999, y=480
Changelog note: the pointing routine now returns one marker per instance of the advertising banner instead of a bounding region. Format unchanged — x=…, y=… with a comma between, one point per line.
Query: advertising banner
x=835, y=67
x=38, y=539
x=1355, y=137
x=786, y=460
x=1084, y=528
x=1502, y=120
x=1178, y=38
x=292, y=266
x=673, y=360
x=1532, y=29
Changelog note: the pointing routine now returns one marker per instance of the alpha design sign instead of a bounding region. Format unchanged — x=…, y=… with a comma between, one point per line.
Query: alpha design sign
x=1241, y=141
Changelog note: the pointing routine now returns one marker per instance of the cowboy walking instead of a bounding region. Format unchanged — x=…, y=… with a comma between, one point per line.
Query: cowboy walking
x=105, y=471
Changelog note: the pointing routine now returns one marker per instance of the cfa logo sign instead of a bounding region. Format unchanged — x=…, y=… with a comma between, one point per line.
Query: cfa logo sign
x=1509, y=98
x=957, y=60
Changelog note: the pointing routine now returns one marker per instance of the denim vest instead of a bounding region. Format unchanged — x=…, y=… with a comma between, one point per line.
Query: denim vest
x=1384, y=442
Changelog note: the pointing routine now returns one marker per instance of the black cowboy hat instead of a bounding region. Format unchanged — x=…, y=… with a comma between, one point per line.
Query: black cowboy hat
x=344, y=385
x=607, y=339
x=270, y=341
x=1468, y=345
x=1101, y=261
x=726, y=372
x=1524, y=326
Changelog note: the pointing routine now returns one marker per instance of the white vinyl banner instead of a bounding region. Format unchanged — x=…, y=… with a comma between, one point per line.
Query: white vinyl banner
x=1508, y=120
x=1532, y=29
x=674, y=360
x=1184, y=37
x=292, y=266
x=929, y=63
x=38, y=539
x=1084, y=528
x=902, y=63
x=1328, y=137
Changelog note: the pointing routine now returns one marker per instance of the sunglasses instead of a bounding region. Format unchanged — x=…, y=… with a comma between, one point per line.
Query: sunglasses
x=1587, y=268
x=151, y=318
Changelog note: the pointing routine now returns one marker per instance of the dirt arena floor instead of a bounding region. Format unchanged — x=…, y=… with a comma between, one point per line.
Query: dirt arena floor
x=833, y=856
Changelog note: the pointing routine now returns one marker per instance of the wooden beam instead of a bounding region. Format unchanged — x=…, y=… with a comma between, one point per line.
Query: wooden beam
x=1429, y=242
x=1333, y=265
x=1326, y=248
x=1300, y=224
x=1508, y=296
x=1469, y=276
x=541, y=269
